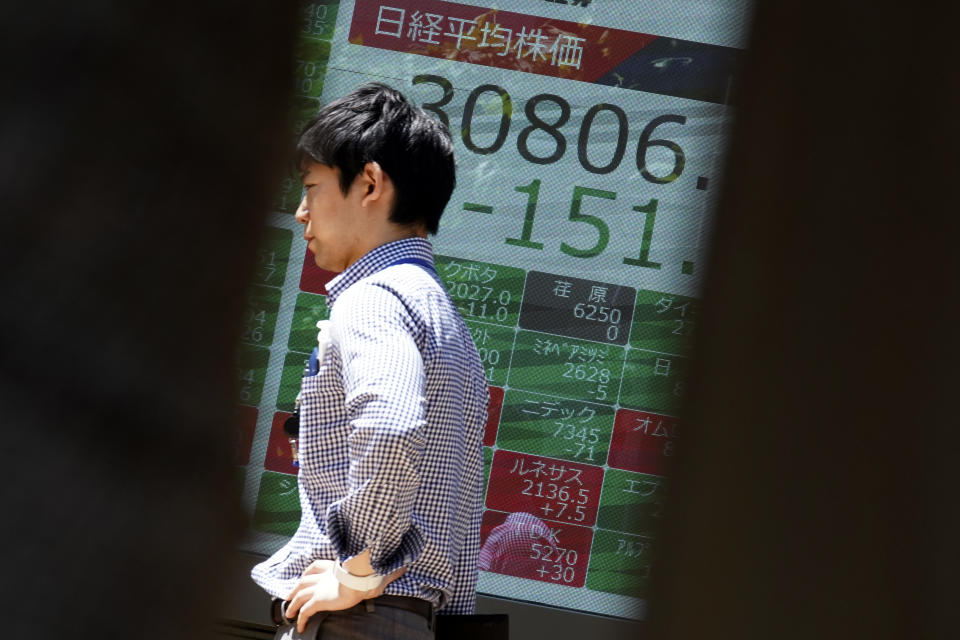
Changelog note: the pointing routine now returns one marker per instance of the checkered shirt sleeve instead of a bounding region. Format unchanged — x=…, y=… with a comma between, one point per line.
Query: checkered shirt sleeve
x=384, y=392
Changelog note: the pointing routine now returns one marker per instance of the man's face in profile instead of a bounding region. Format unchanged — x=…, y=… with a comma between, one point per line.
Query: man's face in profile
x=333, y=225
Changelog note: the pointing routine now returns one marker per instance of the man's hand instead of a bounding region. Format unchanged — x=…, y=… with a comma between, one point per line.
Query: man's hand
x=318, y=590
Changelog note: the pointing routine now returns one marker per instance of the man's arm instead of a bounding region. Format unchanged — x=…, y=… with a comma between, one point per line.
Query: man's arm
x=372, y=527
x=384, y=395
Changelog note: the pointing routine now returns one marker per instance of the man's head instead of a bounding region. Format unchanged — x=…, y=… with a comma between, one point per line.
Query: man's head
x=375, y=123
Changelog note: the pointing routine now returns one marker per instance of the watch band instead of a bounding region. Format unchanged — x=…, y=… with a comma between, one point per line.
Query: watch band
x=358, y=583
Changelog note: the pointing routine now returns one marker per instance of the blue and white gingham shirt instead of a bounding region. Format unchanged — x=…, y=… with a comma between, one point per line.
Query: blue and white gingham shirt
x=391, y=432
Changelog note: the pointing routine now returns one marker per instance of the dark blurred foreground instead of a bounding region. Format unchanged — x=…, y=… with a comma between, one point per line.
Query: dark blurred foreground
x=814, y=494
x=138, y=148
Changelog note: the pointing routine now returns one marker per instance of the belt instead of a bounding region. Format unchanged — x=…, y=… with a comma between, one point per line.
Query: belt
x=418, y=606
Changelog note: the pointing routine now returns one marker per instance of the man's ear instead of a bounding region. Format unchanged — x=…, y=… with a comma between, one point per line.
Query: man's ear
x=373, y=183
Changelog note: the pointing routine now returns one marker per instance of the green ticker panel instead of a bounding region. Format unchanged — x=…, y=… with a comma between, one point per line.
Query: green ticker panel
x=310, y=67
x=653, y=381
x=566, y=367
x=663, y=322
x=273, y=257
x=278, y=504
x=251, y=372
x=309, y=309
x=319, y=19
x=483, y=291
x=555, y=427
x=632, y=502
x=620, y=563
x=290, y=192
x=293, y=365
x=495, y=346
x=260, y=316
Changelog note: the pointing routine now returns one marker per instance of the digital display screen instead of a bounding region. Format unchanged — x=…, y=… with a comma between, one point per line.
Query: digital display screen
x=589, y=139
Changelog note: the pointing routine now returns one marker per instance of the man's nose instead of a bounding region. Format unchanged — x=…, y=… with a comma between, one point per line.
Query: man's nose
x=303, y=214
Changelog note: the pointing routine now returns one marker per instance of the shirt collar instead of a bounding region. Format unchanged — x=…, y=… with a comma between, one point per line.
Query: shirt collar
x=377, y=259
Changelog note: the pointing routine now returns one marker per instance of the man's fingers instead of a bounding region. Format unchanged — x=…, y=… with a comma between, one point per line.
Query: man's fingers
x=302, y=621
x=298, y=602
x=318, y=590
x=305, y=612
x=290, y=612
x=296, y=590
x=299, y=597
x=293, y=594
x=305, y=582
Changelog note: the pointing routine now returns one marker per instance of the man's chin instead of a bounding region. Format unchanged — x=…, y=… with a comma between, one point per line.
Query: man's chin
x=321, y=263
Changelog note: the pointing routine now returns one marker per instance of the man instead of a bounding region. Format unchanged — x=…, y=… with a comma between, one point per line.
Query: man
x=391, y=424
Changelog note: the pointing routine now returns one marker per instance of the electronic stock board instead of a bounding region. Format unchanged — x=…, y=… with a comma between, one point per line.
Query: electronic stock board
x=589, y=139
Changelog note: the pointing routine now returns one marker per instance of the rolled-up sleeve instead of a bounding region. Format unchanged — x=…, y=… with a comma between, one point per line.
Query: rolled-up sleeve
x=384, y=389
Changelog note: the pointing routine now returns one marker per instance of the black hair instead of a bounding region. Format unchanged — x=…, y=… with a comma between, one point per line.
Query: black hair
x=375, y=123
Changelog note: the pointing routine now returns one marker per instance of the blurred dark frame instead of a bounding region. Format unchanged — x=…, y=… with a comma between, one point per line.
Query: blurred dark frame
x=813, y=496
x=814, y=493
x=140, y=144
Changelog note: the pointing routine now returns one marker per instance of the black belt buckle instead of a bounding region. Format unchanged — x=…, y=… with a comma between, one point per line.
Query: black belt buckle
x=278, y=612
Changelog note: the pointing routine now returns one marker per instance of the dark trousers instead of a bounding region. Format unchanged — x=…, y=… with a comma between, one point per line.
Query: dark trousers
x=365, y=621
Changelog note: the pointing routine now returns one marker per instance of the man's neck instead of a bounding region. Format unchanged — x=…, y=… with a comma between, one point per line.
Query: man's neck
x=387, y=235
